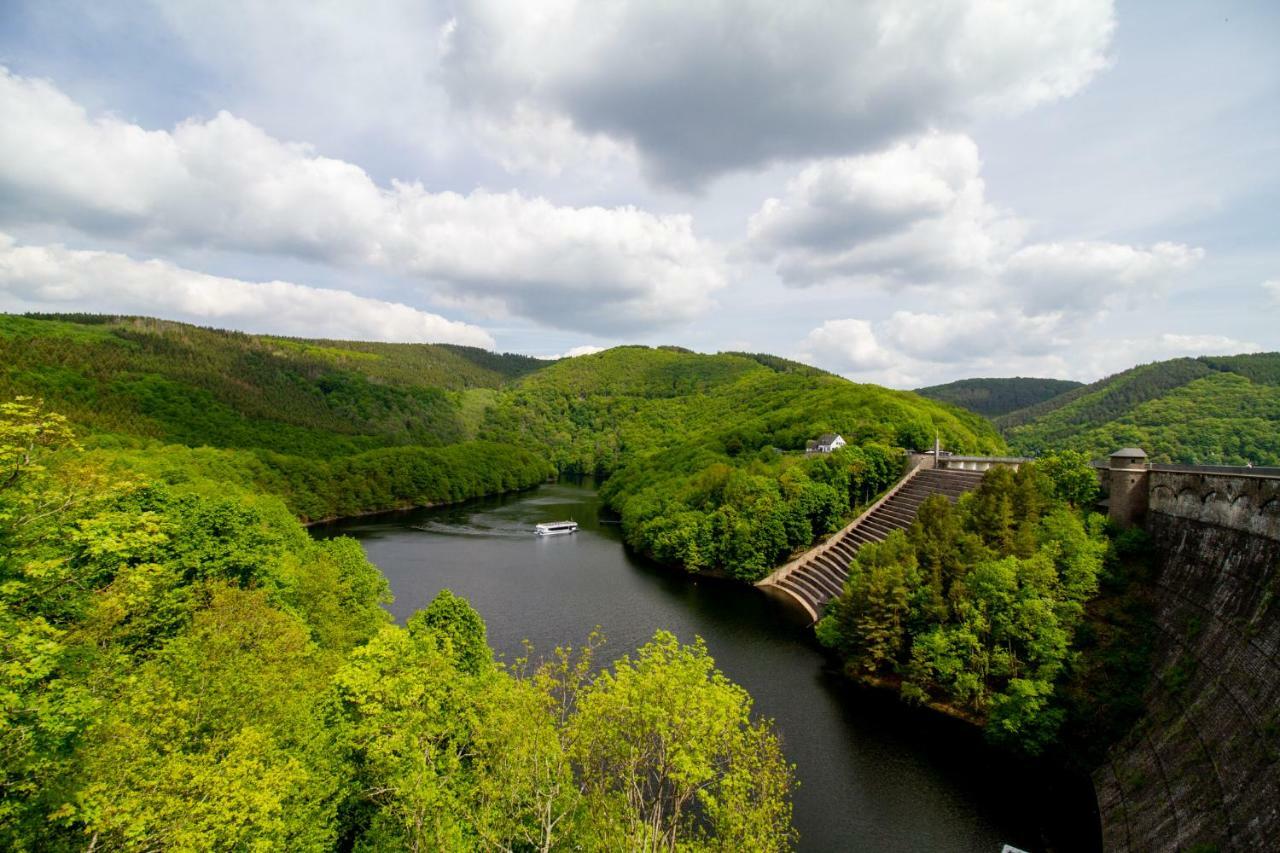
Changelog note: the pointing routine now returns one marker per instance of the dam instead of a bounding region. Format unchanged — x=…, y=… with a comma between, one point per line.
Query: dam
x=1200, y=769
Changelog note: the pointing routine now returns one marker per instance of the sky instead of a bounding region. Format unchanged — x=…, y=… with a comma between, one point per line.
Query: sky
x=904, y=192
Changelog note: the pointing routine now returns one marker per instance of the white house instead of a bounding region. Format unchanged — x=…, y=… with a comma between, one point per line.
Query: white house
x=826, y=443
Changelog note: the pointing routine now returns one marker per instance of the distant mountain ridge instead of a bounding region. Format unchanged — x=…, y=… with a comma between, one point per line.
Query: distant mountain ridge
x=995, y=397
x=1206, y=410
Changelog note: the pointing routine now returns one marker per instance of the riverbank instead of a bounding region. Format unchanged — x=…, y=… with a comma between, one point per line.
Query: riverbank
x=875, y=774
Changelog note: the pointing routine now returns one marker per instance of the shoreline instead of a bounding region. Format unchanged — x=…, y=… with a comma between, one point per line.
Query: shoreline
x=412, y=506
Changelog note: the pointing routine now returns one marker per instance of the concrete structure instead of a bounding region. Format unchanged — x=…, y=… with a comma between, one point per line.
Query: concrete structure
x=1126, y=485
x=979, y=463
x=818, y=575
x=1200, y=769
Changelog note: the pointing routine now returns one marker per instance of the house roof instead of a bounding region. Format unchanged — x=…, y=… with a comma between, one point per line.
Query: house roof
x=827, y=438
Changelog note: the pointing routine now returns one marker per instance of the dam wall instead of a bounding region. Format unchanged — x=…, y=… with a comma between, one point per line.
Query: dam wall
x=1200, y=770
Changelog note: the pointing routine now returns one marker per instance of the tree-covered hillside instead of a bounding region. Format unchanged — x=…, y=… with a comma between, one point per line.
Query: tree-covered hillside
x=334, y=428
x=185, y=669
x=995, y=397
x=703, y=451
x=1209, y=410
x=192, y=386
x=977, y=605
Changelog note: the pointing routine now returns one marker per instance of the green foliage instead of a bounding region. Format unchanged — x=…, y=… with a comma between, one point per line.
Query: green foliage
x=669, y=754
x=452, y=617
x=1074, y=479
x=341, y=428
x=995, y=397
x=977, y=605
x=185, y=669
x=314, y=489
x=870, y=627
x=704, y=453
x=215, y=743
x=1103, y=696
x=1210, y=410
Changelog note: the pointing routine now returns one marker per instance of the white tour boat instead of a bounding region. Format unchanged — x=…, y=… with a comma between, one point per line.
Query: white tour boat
x=551, y=528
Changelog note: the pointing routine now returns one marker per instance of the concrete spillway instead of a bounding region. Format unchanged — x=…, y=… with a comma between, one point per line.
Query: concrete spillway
x=817, y=576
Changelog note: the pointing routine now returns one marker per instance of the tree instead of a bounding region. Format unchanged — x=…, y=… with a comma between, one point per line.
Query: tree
x=1074, y=479
x=216, y=743
x=407, y=716
x=452, y=617
x=937, y=537
x=868, y=621
x=525, y=794
x=670, y=757
x=26, y=433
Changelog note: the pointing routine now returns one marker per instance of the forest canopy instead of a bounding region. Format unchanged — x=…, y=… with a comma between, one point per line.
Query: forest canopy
x=704, y=453
x=994, y=397
x=185, y=668
x=1212, y=410
x=975, y=607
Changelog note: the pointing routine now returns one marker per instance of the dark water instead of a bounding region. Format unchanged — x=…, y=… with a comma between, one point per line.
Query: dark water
x=874, y=775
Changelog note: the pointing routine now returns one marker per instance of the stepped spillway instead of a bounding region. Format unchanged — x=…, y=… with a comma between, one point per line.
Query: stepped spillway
x=819, y=574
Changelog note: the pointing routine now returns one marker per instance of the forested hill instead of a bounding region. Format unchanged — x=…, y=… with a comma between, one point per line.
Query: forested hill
x=1207, y=410
x=335, y=428
x=995, y=397
x=226, y=389
x=705, y=452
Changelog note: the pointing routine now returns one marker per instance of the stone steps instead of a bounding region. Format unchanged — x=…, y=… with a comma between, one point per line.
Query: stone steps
x=821, y=577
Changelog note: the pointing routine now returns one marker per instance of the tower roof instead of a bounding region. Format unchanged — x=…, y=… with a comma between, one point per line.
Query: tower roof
x=1130, y=451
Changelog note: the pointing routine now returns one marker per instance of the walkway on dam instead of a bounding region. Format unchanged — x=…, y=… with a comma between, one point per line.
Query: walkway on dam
x=818, y=575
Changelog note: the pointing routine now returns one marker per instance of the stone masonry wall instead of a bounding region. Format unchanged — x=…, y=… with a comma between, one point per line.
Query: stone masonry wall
x=1201, y=770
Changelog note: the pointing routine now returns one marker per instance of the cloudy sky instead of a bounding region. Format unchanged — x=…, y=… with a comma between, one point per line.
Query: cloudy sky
x=901, y=191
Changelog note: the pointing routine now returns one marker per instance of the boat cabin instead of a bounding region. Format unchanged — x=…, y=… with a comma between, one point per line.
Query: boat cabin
x=551, y=528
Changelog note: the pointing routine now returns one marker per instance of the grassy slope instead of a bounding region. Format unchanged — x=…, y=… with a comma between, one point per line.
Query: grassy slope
x=1210, y=410
x=994, y=397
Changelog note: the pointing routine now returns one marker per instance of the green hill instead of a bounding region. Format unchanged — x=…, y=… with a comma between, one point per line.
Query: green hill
x=336, y=428
x=195, y=386
x=1209, y=410
x=995, y=397
x=703, y=452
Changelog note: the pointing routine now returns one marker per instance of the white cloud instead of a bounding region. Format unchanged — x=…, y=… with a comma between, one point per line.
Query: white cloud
x=1170, y=345
x=1273, y=287
x=914, y=219
x=225, y=183
x=910, y=350
x=849, y=344
x=54, y=278
x=574, y=352
x=915, y=213
x=970, y=333
x=712, y=87
x=532, y=141
x=1087, y=277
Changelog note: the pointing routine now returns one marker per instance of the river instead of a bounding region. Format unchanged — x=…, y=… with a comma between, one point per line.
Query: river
x=874, y=774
